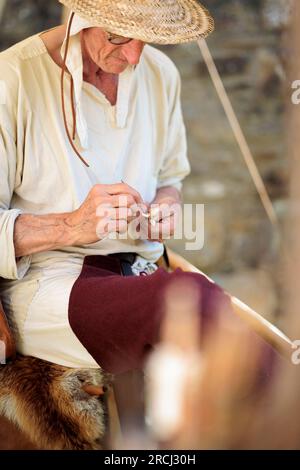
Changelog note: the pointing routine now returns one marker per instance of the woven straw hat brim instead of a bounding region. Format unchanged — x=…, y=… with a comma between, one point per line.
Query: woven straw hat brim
x=153, y=21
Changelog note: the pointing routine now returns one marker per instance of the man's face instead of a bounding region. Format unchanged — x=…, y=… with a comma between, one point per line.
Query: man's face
x=109, y=57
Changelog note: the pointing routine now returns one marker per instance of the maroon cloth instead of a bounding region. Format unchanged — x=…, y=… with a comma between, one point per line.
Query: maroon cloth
x=118, y=318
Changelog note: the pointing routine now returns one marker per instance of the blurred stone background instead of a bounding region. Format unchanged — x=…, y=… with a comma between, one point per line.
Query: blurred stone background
x=249, y=47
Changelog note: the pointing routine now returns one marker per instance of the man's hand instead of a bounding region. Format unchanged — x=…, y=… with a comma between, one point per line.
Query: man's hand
x=105, y=210
x=164, y=213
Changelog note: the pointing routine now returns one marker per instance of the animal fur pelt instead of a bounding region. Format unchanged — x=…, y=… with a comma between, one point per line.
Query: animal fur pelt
x=50, y=404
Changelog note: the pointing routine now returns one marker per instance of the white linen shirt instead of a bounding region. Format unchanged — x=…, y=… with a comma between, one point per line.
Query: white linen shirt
x=141, y=141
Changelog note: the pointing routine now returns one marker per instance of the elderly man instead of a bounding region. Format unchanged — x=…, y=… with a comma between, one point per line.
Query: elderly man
x=91, y=135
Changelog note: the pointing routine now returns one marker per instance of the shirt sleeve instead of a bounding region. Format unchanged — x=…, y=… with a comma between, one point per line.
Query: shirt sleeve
x=10, y=268
x=175, y=166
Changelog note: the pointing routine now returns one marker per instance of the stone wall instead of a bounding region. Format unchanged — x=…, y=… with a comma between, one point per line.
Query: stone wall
x=22, y=18
x=240, y=248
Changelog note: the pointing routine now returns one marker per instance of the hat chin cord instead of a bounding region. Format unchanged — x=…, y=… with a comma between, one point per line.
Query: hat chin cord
x=64, y=69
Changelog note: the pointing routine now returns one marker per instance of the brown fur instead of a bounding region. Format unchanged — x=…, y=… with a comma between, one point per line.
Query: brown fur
x=47, y=402
x=7, y=338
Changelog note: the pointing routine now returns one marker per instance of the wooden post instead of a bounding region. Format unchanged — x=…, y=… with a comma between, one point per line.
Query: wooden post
x=288, y=393
x=281, y=426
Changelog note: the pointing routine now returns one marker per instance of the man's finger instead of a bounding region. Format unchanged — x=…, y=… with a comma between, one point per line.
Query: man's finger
x=162, y=230
x=122, y=200
x=163, y=211
x=123, y=188
x=114, y=213
x=118, y=226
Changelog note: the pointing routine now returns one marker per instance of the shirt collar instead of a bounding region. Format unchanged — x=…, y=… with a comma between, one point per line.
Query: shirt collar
x=74, y=65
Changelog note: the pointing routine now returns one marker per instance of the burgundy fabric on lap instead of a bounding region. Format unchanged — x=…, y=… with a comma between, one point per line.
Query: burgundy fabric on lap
x=118, y=318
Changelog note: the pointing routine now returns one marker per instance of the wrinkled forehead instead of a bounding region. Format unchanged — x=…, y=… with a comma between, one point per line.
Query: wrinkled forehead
x=96, y=38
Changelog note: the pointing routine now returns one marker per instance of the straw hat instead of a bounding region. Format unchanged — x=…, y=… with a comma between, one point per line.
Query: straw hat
x=154, y=21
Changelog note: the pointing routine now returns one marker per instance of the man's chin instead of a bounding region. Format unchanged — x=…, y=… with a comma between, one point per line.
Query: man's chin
x=117, y=71
x=117, y=68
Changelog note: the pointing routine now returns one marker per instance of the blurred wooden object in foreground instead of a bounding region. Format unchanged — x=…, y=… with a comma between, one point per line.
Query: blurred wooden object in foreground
x=204, y=398
x=258, y=323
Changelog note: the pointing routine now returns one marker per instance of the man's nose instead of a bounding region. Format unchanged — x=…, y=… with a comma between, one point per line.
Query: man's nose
x=132, y=51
